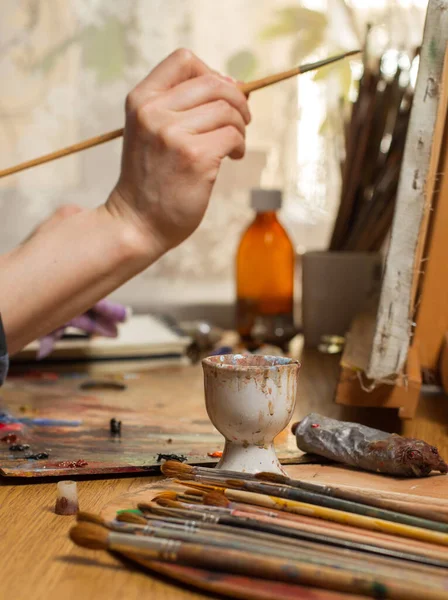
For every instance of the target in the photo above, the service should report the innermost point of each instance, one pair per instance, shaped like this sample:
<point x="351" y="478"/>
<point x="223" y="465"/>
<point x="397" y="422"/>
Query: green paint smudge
<point x="379" y="590"/>
<point x="433" y="49"/>
<point x="135" y="511"/>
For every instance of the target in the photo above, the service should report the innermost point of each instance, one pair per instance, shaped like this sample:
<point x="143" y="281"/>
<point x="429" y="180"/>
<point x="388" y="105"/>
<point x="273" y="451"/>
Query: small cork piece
<point x="67" y="498"/>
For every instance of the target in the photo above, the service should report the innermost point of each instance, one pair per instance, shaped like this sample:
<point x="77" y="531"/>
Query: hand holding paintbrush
<point x="182" y="121"/>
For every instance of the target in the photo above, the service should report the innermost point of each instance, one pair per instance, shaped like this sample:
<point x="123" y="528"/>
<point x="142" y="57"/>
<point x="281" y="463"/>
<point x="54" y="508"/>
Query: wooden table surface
<point x="38" y="560"/>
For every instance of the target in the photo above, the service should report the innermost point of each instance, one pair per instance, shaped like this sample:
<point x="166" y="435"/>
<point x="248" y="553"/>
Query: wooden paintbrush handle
<point x="291" y="571"/>
<point x="343" y="504"/>
<point x="228" y="584"/>
<point x="258" y="84"/>
<point x="339" y="516"/>
<point x="426" y="512"/>
<point x="90" y="143"/>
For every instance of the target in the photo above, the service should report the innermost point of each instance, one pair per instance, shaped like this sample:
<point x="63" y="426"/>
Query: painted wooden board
<point x="432" y="312"/>
<point x="425" y="491"/>
<point x="172" y="419"/>
<point x="394" y="316"/>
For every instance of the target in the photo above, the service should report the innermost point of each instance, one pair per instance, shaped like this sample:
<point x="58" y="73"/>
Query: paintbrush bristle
<point x="235" y="483"/>
<point x="352" y="52"/>
<point x="170" y="495"/>
<point x="271" y="477"/>
<point x="87" y="517"/>
<point x="174" y="468"/>
<point x="149" y="507"/>
<point x="129" y="517"/>
<point x="216" y="499"/>
<point x="198" y="486"/>
<point x="192" y="492"/>
<point x="167" y="502"/>
<point x="89" y="535"/>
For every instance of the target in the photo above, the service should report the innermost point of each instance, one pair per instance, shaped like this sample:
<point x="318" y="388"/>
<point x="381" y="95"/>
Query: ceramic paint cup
<point x="250" y="400"/>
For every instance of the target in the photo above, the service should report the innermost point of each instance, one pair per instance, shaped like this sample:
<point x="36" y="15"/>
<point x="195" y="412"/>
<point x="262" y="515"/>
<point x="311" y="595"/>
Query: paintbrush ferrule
<point x="160" y="545"/>
<point x="326" y="61"/>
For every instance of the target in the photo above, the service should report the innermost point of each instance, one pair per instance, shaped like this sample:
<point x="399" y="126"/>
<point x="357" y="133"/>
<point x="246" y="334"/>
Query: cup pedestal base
<point x="249" y="459"/>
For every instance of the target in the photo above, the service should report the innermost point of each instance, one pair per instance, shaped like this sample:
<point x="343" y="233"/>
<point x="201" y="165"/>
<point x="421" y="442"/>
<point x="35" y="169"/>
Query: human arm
<point x="181" y="121"/>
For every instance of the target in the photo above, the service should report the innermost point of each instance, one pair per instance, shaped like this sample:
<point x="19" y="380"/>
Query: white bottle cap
<point x="265" y="200"/>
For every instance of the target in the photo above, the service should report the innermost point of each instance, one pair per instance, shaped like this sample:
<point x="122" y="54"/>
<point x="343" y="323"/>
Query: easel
<point x="428" y="349"/>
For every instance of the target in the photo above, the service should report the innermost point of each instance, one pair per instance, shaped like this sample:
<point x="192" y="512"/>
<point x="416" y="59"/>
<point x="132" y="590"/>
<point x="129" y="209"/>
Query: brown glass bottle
<point x="265" y="276"/>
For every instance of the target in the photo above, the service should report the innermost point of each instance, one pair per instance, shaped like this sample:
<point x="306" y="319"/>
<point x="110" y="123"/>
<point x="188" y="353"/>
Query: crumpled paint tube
<point x="366" y="448"/>
<point x="102" y="320"/>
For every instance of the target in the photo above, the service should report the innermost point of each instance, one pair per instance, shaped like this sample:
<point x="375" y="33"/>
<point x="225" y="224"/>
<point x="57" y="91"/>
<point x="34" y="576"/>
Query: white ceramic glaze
<point x="250" y="399"/>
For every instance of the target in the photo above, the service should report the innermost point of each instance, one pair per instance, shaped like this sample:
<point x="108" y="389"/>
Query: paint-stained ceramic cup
<point x="250" y="399"/>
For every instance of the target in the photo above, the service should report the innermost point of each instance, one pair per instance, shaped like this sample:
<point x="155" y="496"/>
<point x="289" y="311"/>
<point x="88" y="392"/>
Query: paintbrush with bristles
<point x="300" y="494"/>
<point x="221" y="537"/>
<point x="166" y="507"/>
<point x="116" y="525"/>
<point x="272" y="545"/>
<point x="176" y="469"/>
<point x="195" y="520"/>
<point x="245" y="527"/>
<point x="162" y="519"/>
<point x="175" y="500"/>
<point x="433" y="509"/>
<point x="96" y="537"/>
<point x="420" y="552"/>
<point x="197" y="527"/>
<point x="163" y="508"/>
<point x="250" y="522"/>
<point x="153" y="511"/>
<point x="234" y="492"/>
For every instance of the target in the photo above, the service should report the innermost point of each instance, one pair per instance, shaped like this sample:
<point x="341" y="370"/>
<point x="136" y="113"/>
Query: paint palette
<point x="162" y="413"/>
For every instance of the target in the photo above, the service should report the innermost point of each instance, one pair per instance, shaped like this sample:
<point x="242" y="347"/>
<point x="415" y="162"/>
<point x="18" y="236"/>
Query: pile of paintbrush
<point x="271" y="527"/>
<point x="374" y="140"/>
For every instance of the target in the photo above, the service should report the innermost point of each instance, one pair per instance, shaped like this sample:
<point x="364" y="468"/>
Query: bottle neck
<point x="266" y="217"/>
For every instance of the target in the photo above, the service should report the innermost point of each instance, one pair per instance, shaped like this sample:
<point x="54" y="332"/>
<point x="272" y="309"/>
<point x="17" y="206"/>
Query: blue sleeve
<point x="4" y="359"/>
